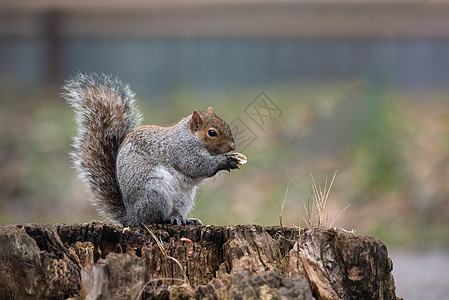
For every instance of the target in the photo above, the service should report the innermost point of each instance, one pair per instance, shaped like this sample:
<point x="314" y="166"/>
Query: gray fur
<point x="105" y="112"/>
<point x="159" y="170"/>
<point x="147" y="174"/>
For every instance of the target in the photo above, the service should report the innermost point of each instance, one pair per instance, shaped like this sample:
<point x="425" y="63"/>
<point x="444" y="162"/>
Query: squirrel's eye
<point x="212" y="133"/>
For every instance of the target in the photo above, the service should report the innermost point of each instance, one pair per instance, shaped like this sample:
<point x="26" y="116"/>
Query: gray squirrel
<point x="143" y="174"/>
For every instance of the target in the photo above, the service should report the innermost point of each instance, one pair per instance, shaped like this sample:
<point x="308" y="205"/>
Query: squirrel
<point x="143" y="174"/>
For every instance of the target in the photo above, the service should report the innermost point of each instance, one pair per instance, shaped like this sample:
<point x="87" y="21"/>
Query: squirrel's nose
<point x="232" y="146"/>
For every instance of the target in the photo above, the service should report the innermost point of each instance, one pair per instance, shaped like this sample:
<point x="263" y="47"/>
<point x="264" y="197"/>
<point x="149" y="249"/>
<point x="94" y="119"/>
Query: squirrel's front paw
<point x="231" y="162"/>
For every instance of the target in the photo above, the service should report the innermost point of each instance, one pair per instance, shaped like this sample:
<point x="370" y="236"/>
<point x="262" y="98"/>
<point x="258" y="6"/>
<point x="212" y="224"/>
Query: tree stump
<point x="105" y="261"/>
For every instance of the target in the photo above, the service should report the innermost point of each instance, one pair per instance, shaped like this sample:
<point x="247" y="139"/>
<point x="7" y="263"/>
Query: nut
<point x="241" y="159"/>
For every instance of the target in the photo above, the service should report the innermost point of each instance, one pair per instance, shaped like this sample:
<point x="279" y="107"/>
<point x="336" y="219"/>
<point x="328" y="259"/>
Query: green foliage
<point x="390" y="147"/>
<point x="379" y="151"/>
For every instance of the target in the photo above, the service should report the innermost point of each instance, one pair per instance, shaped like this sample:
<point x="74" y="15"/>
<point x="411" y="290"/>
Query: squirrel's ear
<point x="210" y="110"/>
<point x="196" y="121"/>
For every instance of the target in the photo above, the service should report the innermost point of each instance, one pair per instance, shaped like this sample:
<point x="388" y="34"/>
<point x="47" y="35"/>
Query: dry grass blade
<point x="165" y="253"/>
<point x="320" y="197"/>
<point x="309" y="217"/>
<point x="315" y="209"/>
<point x="181" y="267"/>
<point x="281" y="212"/>
<point x="158" y="241"/>
<point x="330" y="187"/>
<point x="332" y="223"/>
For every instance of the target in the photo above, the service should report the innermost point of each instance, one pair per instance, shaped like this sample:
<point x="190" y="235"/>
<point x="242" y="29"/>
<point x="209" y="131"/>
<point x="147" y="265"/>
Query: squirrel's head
<point x="213" y="131"/>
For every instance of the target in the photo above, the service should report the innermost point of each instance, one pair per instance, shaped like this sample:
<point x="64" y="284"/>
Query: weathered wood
<point x="104" y="261"/>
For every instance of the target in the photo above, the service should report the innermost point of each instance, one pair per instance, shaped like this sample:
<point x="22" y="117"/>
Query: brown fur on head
<point x="213" y="131"/>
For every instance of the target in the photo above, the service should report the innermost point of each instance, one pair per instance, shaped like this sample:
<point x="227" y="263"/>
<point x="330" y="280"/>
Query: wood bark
<point x="105" y="261"/>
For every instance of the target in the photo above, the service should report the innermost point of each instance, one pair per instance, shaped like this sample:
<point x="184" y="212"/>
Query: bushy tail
<point x="105" y="112"/>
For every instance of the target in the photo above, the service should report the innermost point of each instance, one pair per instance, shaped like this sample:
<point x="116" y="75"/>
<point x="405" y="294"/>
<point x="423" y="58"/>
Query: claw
<point x="181" y="220"/>
<point x="193" y="221"/>
<point x="178" y="220"/>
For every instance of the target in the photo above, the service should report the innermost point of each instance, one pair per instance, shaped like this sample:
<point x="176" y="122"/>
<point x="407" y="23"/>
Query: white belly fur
<point x="178" y="189"/>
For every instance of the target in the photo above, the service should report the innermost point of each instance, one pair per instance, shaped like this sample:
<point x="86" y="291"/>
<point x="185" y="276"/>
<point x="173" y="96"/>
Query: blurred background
<point x="309" y="87"/>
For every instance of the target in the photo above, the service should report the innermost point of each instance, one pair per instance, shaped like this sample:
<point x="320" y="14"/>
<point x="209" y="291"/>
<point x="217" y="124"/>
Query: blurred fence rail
<point x="247" y="18"/>
<point x="44" y="41"/>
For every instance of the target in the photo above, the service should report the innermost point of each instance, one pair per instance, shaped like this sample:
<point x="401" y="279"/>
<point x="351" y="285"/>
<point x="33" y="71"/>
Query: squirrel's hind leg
<point x="181" y="220"/>
<point x="147" y="206"/>
<point x="194" y="221"/>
